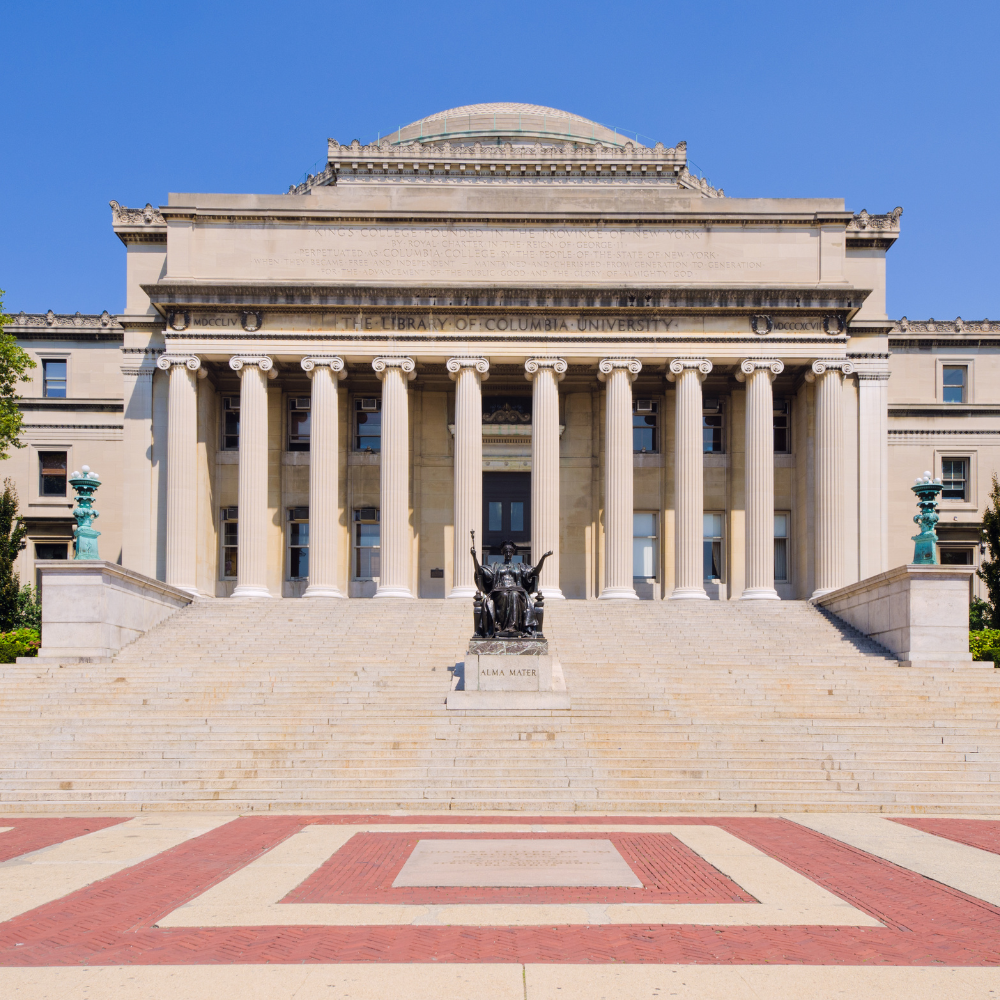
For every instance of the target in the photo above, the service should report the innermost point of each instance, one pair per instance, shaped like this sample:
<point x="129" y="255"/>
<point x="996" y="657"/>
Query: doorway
<point x="506" y="513"/>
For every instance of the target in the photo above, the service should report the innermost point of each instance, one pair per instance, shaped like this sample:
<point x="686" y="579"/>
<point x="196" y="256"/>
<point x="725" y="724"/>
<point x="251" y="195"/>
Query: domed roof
<point x="520" y="124"/>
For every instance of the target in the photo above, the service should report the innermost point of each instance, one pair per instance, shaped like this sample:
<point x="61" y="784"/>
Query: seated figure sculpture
<point x="505" y="607"/>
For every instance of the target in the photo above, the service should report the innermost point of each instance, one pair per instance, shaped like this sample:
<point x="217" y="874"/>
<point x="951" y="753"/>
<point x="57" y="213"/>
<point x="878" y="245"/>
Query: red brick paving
<point x="112" y="922"/>
<point x="981" y="833"/>
<point x="30" y="834"/>
<point x="362" y="871"/>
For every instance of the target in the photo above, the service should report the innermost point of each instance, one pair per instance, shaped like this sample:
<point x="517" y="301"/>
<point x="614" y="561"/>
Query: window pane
<point x="516" y="516"/>
<point x="299" y="563"/>
<point x="712" y="559"/>
<point x="231" y="532"/>
<point x="229" y="561"/>
<point x="949" y="557"/>
<point x="54" y="379"/>
<point x="496" y="516"/>
<point x="298" y="533"/>
<point x="231" y="430"/>
<point x="713" y="526"/>
<point x="781" y="559"/>
<point x="368" y="534"/>
<point x="780" y="525"/>
<point x="954" y="384"/>
<point x="642" y="557"/>
<point x="52" y="473"/>
<point x="369" y="436"/>
<point x="954" y="477"/>
<point x="643" y="525"/>
<point x="711" y="432"/>
<point x="643" y="433"/>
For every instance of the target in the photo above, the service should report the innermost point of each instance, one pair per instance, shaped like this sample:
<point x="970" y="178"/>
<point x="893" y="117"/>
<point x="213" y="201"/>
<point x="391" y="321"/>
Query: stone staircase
<point x="340" y="705"/>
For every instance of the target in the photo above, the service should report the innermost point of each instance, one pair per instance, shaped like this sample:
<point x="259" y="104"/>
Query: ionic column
<point x="395" y="373"/>
<point x="689" y="480"/>
<point x="829" y="532"/>
<point x="468" y="375"/>
<point x="251" y="569"/>
<point x="545" y="374"/>
<point x="618" y="374"/>
<point x="182" y="469"/>
<point x="324" y="472"/>
<point x="759" y="460"/>
<point x="137" y="368"/>
<point x="873" y="470"/>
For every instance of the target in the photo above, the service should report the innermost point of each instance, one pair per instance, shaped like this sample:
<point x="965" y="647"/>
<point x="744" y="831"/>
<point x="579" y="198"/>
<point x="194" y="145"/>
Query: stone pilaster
<point x="689" y="480"/>
<point x="618" y="374"/>
<point x="324" y="473"/>
<point x="395" y="373"/>
<point x="545" y="374"/>
<point x="251" y="570"/>
<point x="758" y="375"/>
<point x="873" y="469"/>
<point x="829" y="532"/>
<point x="137" y="369"/>
<point x="468" y="375"/>
<point x="182" y="469"/>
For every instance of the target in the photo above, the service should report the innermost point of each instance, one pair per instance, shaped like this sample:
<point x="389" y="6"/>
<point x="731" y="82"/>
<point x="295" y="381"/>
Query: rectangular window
<point x="298" y="543"/>
<point x="230" y="423"/>
<point x="366" y="544"/>
<point x="956" y="557"/>
<point x="644" y="545"/>
<point x="54" y="378"/>
<point x="52" y="473"/>
<point x="711" y="427"/>
<point x="781" y="438"/>
<point x="712" y="547"/>
<point x="228" y="522"/>
<point x="955" y="378"/>
<point x="298" y="423"/>
<point x="645" y="439"/>
<point x="955" y="478"/>
<point x="51" y="550"/>
<point x="781" y="548"/>
<point x="368" y="424"/>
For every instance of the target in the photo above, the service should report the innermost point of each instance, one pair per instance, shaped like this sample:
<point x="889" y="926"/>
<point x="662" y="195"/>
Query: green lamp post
<point x="927" y="491"/>
<point x="85" y="484"/>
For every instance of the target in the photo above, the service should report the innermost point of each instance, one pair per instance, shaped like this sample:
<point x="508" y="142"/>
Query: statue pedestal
<point x="509" y="674"/>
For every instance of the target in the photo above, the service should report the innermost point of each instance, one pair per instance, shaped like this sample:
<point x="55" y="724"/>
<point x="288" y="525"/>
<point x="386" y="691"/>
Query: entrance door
<point x="506" y="511"/>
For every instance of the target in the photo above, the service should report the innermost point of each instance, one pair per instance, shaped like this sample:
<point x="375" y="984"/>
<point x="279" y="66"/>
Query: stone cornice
<point x="873" y="231"/>
<point x="956" y="327"/>
<point x="62" y="326"/>
<point x="138" y="225"/>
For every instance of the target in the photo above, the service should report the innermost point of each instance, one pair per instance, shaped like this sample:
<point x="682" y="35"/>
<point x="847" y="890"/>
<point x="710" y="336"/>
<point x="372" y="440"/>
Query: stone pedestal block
<point x="920" y="613"/>
<point x="510" y="674"/>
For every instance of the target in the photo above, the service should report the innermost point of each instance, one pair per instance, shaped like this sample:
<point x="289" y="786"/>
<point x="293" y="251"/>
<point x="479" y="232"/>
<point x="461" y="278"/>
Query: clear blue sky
<point x="883" y="104"/>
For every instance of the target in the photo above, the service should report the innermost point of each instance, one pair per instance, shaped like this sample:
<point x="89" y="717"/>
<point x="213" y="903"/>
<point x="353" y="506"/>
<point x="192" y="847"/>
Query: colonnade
<point x="545" y="373"/>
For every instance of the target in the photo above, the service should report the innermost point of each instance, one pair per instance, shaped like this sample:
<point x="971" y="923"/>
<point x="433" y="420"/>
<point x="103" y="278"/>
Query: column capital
<point x="405" y="365"/>
<point x="821" y="367"/>
<point x="479" y="365"/>
<point x="331" y="361"/>
<point x="702" y="365"/>
<point x="261" y="361"/>
<point x="631" y="367"/>
<point x="751" y="365"/>
<point x="191" y="361"/>
<point x="532" y="366"/>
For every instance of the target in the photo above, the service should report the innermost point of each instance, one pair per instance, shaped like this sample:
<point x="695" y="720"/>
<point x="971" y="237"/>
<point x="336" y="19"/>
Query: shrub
<point x="20" y="642"/>
<point x="983" y="640"/>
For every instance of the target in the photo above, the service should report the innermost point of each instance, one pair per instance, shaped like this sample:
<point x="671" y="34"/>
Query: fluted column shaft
<point x="759" y="460"/>
<point x="829" y="532"/>
<point x="468" y="374"/>
<point x="182" y="470"/>
<point x="618" y="375"/>
<point x="251" y="570"/>
<point x="395" y="374"/>
<point x="324" y="475"/>
<point x="873" y="470"/>
<point x="545" y="374"/>
<point x="689" y="480"/>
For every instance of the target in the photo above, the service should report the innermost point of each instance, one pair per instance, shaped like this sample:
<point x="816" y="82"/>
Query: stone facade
<point x="523" y="317"/>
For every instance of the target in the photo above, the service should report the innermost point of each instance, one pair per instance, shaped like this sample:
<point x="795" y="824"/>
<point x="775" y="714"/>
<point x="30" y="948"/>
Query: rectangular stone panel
<point x="503" y="863"/>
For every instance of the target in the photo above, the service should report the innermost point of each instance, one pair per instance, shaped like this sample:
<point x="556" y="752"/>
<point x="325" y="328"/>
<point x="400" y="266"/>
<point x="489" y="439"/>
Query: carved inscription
<point x="521" y="255"/>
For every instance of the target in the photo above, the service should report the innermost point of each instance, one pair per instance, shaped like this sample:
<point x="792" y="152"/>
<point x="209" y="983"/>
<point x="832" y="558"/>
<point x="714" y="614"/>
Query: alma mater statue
<point x="505" y="607"/>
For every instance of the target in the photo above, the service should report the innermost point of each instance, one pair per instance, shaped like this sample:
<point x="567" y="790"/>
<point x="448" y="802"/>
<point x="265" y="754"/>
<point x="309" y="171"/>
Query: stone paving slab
<point x="305" y="906"/>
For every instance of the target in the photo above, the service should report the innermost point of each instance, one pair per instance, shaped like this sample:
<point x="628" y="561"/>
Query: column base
<point x="248" y="590"/>
<point x="822" y="592"/>
<point x="403" y="592"/>
<point x="760" y="594"/>
<point x="552" y="594"/>
<point x="618" y="594"/>
<point x="689" y="594"/>
<point x="462" y="593"/>
<point x="323" y="590"/>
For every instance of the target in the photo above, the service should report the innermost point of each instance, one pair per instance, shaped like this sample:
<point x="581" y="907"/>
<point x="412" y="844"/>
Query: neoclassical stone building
<point x="510" y="320"/>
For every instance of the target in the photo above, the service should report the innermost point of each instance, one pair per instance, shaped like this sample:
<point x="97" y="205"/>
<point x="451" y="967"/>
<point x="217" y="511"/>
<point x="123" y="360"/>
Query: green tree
<point x="989" y="569"/>
<point x="12" y="532"/>
<point x="14" y="365"/>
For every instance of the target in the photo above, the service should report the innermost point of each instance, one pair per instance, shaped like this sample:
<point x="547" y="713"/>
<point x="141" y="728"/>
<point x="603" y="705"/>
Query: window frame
<point x="299" y="445"/>
<point x="971" y="457"/>
<point x="57" y="359"/>
<point x="223" y="410"/>
<point x="963" y="462"/>
<point x="295" y="516"/>
<point x="654" y="427"/>
<point x="787" y="539"/>
<point x="940" y="364"/>
<point x="226" y="516"/>
<point x="654" y="538"/>
<point x="64" y="496"/>
<point x="355" y="426"/>
<point x="715" y="539"/>
<point x="720" y="412"/>
<point x="787" y="416"/>
<point x="356" y="522"/>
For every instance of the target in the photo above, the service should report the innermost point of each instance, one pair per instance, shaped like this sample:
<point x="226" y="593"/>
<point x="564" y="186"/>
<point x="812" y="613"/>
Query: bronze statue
<point x="504" y="605"/>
